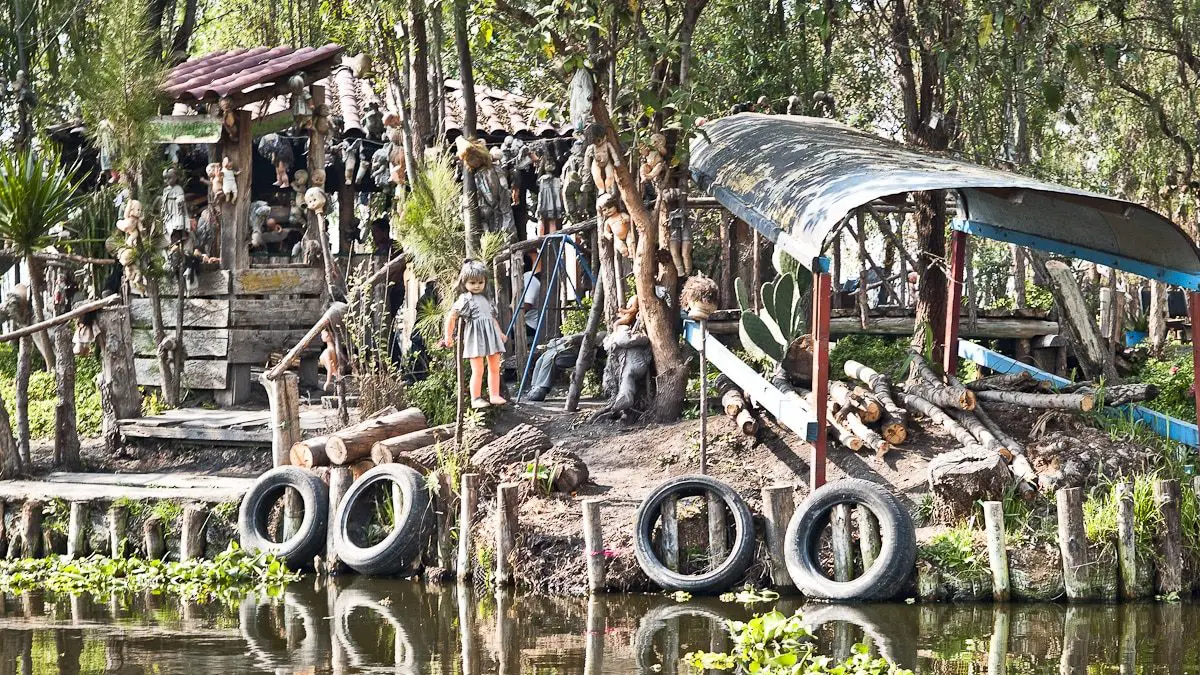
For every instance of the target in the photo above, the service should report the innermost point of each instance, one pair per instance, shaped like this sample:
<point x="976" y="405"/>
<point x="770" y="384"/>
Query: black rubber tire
<point x="897" y="557"/>
<point x="713" y="581"/>
<point x="309" y="541"/>
<point x="394" y="554"/>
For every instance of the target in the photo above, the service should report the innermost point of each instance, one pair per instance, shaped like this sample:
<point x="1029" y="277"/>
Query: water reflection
<point x="361" y="625"/>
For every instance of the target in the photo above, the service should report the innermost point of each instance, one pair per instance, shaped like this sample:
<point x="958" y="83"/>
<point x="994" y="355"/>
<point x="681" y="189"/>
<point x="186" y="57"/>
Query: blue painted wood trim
<point x="1163" y="425"/>
<point x="789" y="410"/>
<point x="1143" y="269"/>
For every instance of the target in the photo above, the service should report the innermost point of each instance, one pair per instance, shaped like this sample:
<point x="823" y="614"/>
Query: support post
<point x="468" y="504"/>
<point x="778" y="507"/>
<point x="993" y="518"/>
<point x="669" y="534"/>
<point x="191" y="541"/>
<point x="1072" y="542"/>
<point x="339" y="483"/>
<point x="31" y="529"/>
<point x="152" y="539"/>
<point x="445" y="522"/>
<point x="958" y="258"/>
<point x="704" y="407"/>
<point x="116" y="519"/>
<point x="870" y="543"/>
<point x="77" y="530"/>
<point x="843" y="551"/>
<point x="1194" y="312"/>
<point x="1170" y="568"/>
<point x="283" y="395"/>
<point x="718" y="525"/>
<point x="593" y="545"/>
<point x="506" y="531"/>
<point x="822" y="287"/>
<point x="1126" y="541"/>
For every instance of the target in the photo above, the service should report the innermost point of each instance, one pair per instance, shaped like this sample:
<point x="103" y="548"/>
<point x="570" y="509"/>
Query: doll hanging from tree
<point x="481" y="335"/>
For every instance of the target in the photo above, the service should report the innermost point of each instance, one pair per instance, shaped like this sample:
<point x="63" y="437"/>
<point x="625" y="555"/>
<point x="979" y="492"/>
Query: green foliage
<point x="1172" y="374"/>
<point x="955" y="552"/>
<point x="43" y="399"/>
<point x="575" y="321"/>
<point x="226" y="577"/>
<point x="168" y="511"/>
<point x="1100" y="515"/>
<point x="777" y="644"/>
<point x="226" y="512"/>
<point x="435" y="395"/>
<point x="152" y="402"/>
<point x="887" y="355"/>
<point x="36" y="193"/>
<point x="779" y="322"/>
<point x="56" y="515"/>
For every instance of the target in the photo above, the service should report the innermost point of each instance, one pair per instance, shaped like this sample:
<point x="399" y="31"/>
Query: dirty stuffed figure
<point x="481" y="335"/>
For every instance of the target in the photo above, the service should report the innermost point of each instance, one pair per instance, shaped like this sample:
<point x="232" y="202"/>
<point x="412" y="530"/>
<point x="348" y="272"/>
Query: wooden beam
<point x="51" y="323"/>
<point x="958" y="258"/>
<point x="235" y="217"/>
<point x="332" y="315"/>
<point x="197" y="312"/>
<point x="197" y="374"/>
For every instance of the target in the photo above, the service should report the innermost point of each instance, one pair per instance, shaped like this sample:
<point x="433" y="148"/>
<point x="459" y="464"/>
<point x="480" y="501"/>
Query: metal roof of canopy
<point x="796" y="178"/>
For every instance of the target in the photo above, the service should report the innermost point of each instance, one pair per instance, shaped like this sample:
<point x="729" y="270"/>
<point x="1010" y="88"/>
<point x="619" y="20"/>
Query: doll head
<point x="227" y="163"/>
<point x="473" y="277"/>
<point x="170" y="177"/>
<point x="314" y="199"/>
<point x="213" y="170"/>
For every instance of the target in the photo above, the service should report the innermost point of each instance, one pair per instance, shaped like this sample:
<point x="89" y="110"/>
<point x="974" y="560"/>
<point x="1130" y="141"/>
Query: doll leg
<point x="476" y="381"/>
<point x="493" y="362"/>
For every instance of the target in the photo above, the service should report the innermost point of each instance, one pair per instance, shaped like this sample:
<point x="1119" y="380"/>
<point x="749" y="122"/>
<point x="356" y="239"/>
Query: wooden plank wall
<point x="233" y="319"/>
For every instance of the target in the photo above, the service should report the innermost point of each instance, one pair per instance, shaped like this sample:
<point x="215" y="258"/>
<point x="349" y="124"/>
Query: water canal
<point x="409" y="627"/>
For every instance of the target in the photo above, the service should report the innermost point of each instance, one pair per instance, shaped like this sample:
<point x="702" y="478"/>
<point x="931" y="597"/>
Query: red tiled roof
<point x="348" y="96"/>
<point x="209" y="77"/>
<point x="499" y="112"/>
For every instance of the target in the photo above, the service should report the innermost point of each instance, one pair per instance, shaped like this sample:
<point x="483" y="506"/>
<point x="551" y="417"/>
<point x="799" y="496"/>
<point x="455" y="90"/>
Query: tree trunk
<point x="932" y="281"/>
<point x="1018" y="257"/>
<point x="1157" y="316"/>
<point x="66" y="428"/>
<point x="11" y="465"/>
<point x="37" y="297"/>
<point x="183" y="34"/>
<point x="438" y="76"/>
<point x="658" y="317"/>
<point x="467" y="77"/>
<point x="169" y="387"/>
<point x="418" y="76"/>
<point x="389" y="449"/>
<point x="1080" y="402"/>
<point x="119" y="395"/>
<point x="24" y="365"/>
<point x="1075" y="316"/>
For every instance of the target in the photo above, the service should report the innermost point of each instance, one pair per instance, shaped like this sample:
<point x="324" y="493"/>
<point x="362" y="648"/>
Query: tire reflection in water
<point x="284" y="633"/>
<point x="363" y="612"/>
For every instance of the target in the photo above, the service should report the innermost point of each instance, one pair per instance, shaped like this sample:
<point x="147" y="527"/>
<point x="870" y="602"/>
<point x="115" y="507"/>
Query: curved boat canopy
<point x="795" y="179"/>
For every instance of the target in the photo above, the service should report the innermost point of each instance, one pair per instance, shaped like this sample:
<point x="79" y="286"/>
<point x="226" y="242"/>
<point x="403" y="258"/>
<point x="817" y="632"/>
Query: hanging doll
<point x="228" y="118"/>
<point x="174" y="203"/>
<point x="654" y="164"/>
<point x="578" y="190"/>
<point x="299" y="186"/>
<point x="229" y="180"/>
<point x="616" y="225"/>
<point x="329" y="359"/>
<point x="131" y="227"/>
<point x="604" y="160"/>
<point x="213" y="173"/>
<point x="277" y="149"/>
<point x="106" y="137"/>
<point x="301" y="101"/>
<point x="480" y="332"/>
<point x="550" y="206"/>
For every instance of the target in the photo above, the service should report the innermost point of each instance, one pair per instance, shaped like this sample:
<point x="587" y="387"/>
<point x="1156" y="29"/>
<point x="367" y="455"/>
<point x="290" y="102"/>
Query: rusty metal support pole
<point x="822" y="290"/>
<point x="958" y="259"/>
<point x="703" y="397"/>
<point x="1194" y="312"/>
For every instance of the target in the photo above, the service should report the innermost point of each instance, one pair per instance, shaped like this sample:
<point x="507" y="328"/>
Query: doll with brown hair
<point x="481" y="335"/>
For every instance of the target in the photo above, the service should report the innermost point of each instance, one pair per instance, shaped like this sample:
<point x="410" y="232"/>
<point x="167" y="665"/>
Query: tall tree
<point x="419" y="74"/>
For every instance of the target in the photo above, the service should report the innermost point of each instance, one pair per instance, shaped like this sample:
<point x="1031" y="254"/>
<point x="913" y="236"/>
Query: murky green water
<point x="406" y="627"/>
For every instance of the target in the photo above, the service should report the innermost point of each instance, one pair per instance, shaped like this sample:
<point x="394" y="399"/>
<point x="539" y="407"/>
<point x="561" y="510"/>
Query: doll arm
<point x="451" y="323"/>
<point x="500" y="331"/>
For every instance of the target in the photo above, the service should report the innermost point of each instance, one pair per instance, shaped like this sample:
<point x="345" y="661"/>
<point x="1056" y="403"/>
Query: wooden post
<point x="1194" y="313"/>
<point x="152" y="539"/>
<point x="704" y="412"/>
<point x="116" y="518"/>
<point x="468" y="505"/>
<point x="283" y="394"/>
<point x="587" y="346"/>
<point x="117" y="383"/>
<point x="1076" y="638"/>
<point x="339" y="482"/>
<point x="778" y="507"/>
<point x="191" y="540"/>
<point x="517" y="277"/>
<point x="718" y="526"/>
<point x="998" y="647"/>
<point x="235" y="217"/>
<point x="669" y="541"/>
<point x="31" y="529"/>
<point x="843" y="551"/>
<point x="820" y="333"/>
<point x="1170" y="541"/>
<point x="445" y="521"/>
<point x="1126" y="541"/>
<point x="1072" y="542"/>
<point x="77" y="530"/>
<point x="958" y="257"/>
<point x="861" y="297"/>
<point x="593" y="649"/>
<point x="507" y="648"/>
<point x="593" y="545"/>
<point x="993" y="518"/>
<point x="506" y="531"/>
<point x="869" y="541"/>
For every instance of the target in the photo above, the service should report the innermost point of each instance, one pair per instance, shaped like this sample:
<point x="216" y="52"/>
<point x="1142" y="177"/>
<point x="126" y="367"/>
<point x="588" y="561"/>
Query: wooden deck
<point x="226" y="427"/>
<point x="109" y="486"/>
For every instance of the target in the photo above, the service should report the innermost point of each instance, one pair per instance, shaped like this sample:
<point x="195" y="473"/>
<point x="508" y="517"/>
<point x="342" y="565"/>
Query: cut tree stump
<point x="387" y="450"/>
<point x="355" y="442"/>
<point x="310" y="453"/>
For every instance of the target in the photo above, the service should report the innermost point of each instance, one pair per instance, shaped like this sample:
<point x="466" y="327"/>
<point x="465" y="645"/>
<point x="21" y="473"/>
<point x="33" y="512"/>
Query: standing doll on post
<point x="481" y="335"/>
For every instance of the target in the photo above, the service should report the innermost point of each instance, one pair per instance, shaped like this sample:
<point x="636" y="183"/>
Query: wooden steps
<point x="224" y="427"/>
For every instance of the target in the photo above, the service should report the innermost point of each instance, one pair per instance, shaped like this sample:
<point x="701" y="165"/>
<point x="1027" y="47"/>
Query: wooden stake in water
<point x="703" y="397"/>
<point x="593" y="540"/>
<point x="993" y="518"/>
<point x="1126" y="542"/>
<point x="468" y="504"/>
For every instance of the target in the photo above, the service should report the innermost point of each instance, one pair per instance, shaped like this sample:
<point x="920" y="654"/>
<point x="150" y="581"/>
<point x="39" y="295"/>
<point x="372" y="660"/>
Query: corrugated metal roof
<point x="241" y="71"/>
<point x="500" y="113"/>
<point x="796" y="178"/>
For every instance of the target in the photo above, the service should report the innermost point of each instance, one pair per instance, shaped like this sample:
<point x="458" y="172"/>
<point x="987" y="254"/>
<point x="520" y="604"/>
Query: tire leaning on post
<point x="309" y="539"/>
<point x="897" y="557"/>
<point x="715" y="580"/>
<point x="401" y="546"/>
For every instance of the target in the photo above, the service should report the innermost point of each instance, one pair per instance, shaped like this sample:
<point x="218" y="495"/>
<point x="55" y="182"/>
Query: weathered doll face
<point x="475" y="286"/>
<point x="314" y="198"/>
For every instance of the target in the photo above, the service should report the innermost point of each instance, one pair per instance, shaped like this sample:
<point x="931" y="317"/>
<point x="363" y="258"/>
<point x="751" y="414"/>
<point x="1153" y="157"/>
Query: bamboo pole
<point x="1072" y="542"/>
<point x="61" y="318"/>
<point x="993" y="517"/>
<point x="593" y="544"/>
<point x="778" y="507"/>
<point x="468" y="505"/>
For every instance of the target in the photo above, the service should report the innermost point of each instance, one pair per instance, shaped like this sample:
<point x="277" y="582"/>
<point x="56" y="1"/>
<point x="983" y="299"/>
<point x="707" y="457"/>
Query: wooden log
<point x="1017" y="381"/>
<point x="718" y="526"/>
<point x="1170" y="538"/>
<point x="283" y="395"/>
<point x="993" y="519"/>
<point x="310" y="453"/>
<point x="669" y="533"/>
<point x="468" y="505"/>
<point x="360" y="466"/>
<point x="1002" y="436"/>
<point x="521" y="444"/>
<point x="870" y="542"/>
<point x="870" y="439"/>
<point x="1080" y="402"/>
<point x="355" y="442"/>
<point x="971" y="422"/>
<point x="447" y="505"/>
<point x="387" y="450"/>
<point x="191" y="539"/>
<point x="1121" y="394"/>
<point x="942" y="395"/>
<point x="77" y="530"/>
<point x="117" y="382"/>
<point x="778" y="507"/>
<point x="841" y="539"/>
<point x="340" y="480"/>
<point x="843" y="436"/>
<point x="153" y="543"/>
<point x="332" y="316"/>
<point x="1076" y="319"/>
<point x="1126" y="541"/>
<point x="116" y="519"/>
<point x="593" y="545"/>
<point x="79" y="311"/>
<point x="895" y="418"/>
<point x="939" y="417"/>
<point x="506" y="531"/>
<point x="31" y="529"/>
<point x="747" y="423"/>
<point x="733" y="402"/>
<point x="1072" y="543"/>
<point x="869" y="408"/>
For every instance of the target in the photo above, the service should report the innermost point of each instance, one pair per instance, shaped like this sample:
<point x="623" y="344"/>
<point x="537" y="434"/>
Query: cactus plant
<point x="771" y="331"/>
